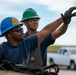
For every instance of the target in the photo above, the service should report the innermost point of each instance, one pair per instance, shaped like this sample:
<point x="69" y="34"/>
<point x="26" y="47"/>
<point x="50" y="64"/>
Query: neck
<point x="32" y="32"/>
<point x="13" y="42"/>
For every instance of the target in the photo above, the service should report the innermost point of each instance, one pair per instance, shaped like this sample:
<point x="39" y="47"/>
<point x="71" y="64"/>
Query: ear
<point x="25" y="23"/>
<point x="9" y="35"/>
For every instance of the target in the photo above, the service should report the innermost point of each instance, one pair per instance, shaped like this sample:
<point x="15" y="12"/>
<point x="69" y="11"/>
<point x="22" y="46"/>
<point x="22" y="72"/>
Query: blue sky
<point x="48" y="10"/>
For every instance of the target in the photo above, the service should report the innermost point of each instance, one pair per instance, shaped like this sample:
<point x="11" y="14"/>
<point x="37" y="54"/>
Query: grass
<point x="54" y="48"/>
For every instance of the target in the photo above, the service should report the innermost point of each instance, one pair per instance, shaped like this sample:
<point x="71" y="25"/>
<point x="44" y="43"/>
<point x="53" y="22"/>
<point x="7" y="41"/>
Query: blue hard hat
<point x="7" y="24"/>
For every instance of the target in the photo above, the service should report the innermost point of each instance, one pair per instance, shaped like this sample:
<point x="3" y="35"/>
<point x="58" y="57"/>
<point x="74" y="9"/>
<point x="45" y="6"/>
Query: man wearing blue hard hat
<point x="19" y="48"/>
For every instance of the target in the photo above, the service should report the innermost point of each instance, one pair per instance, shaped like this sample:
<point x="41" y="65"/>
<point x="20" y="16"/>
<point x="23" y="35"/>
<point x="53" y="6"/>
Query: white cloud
<point x="57" y="5"/>
<point x="9" y="2"/>
<point x="53" y="5"/>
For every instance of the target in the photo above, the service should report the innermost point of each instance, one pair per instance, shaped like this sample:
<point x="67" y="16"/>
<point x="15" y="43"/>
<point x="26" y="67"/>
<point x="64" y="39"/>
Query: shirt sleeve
<point x="48" y="40"/>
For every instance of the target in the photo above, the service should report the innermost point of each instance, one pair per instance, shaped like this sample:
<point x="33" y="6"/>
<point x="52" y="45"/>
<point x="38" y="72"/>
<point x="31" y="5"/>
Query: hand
<point x="68" y="14"/>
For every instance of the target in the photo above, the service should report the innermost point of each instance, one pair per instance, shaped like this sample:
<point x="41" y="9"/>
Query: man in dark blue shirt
<point x="30" y="18"/>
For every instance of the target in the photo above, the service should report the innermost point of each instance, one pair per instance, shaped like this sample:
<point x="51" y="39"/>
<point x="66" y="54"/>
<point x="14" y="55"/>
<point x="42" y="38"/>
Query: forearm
<point x="63" y="29"/>
<point x="49" y="29"/>
<point x="60" y="31"/>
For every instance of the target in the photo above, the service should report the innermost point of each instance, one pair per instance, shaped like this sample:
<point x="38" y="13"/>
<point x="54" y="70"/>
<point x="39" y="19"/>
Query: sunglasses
<point x="17" y="30"/>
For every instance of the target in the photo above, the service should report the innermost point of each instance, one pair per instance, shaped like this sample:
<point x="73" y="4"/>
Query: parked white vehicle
<point x="66" y="56"/>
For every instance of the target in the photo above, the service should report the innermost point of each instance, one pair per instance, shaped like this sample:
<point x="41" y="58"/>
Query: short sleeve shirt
<point x="15" y="52"/>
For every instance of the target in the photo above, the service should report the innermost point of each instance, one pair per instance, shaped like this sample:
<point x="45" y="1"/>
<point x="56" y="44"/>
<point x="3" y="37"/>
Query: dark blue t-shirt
<point x="47" y="41"/>
<point x="15" y="52"/>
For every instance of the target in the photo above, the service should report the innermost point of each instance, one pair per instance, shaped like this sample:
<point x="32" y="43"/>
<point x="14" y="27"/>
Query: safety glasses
<point x="33" y="20"/>
<point x="17" y="30"/>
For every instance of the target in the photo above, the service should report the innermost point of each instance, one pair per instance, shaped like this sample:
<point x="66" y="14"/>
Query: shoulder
<point x="32" y="37"/>
<point x="4" y="44"/>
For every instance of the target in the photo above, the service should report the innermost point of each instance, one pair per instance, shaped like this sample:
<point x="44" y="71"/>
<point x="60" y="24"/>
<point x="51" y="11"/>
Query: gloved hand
<point x="68" y="14"/>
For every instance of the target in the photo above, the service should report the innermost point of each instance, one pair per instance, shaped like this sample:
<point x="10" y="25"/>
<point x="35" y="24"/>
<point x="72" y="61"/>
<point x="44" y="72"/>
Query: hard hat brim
<point x="4" y="32"/>
<point x="30" y="18"/>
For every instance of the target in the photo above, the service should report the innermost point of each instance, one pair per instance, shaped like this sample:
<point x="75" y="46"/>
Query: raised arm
<point x="49" y="29"/>
<point x="60" y="31"/>
<point x="66" y="18"/>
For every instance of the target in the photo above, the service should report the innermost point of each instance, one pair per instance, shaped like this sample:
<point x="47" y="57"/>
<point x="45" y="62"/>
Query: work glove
<point x="68" y="14"/>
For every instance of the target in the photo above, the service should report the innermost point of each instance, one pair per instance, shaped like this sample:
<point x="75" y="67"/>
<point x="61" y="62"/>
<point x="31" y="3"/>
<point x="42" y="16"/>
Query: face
<point x="17" y="33"/>
<point x="32" y="24"/>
